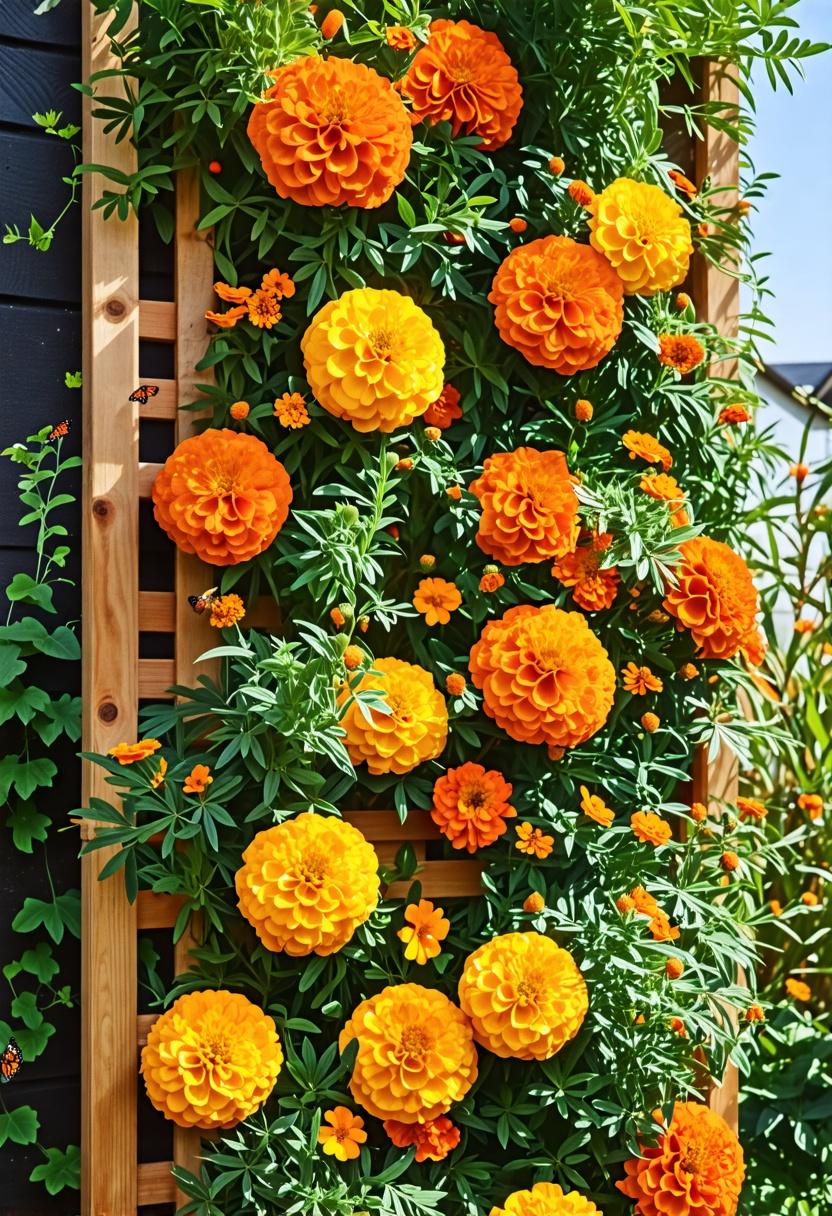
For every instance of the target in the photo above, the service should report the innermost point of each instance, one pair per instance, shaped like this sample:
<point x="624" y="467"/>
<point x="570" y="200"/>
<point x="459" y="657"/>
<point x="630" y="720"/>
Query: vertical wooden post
<point x="110" y="642"/>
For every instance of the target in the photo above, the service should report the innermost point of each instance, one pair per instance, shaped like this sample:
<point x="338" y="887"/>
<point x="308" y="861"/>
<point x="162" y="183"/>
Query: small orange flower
<point x="129" y="753"/>
<point x="682" y="352"/>
<point x="799" y="472"/>
<point x="674" y="968"/>
<point x="226" y="610"/>
<point x="231" y="295"/>
<point x="263" y="309"/>
<point x="715" y="598"/>
<point x="662" y="487"/>
<point x="227" y="319"/>
<point x="454" y="493"/>
<point x="755" y="1013"/>
<point x="427" y="929"/>
<point x="239" y="410"/>
<point x="804" y="625"/>
<point x="427" y="562"/>
<point x="798" y="990"/>
<point x="678" y="1027"/>
<point x="557" y="165"/>
<point x="404" y="465"/>
<point x="683" y="301"/>
<point x="399" y="37"/>
<point x="698" y="812"/>
<point x="332" y="23"/>
<point x="583" y="410"/>
<point x="625" y="904"/>
<point x="682" y="183"/>
<point x="595" y="808"/>
<point x="639" y="443"/>
<point x="532" y="841"/>
<point x="650" y="828"/>
<point x="750" y="808"/>
<point x="491" y="581"/>
<point x="337" y="617"/>
<point x="433" y="1139"/>
<point x="455" y="684"/>
<point x="436" y="599"/>
<point x="198" y="779"/>
<point x="650" y="722"/>
<point x="733" y="414"/>
<point x="688" y="671"/>
<point x="353" y="657"/>
<point x="775" y="907"/>
<point x="159" y="776"/>
<point x="593" y="588"/>
<point x="534" y="903"/>
<point x="444" y="410"/>
<point x="518" y="224"/>
<point x="433" y="434"/>
<point x="343" y="1138"/>
<point x="729" y="861"/>
<point x="640" y="680"/>
<point x="581" y="193"/>
<point x="278" y="283"/>
<point x="809" y="899"/>
<point x="471" y="805"/>
<point x="813" y="803"/>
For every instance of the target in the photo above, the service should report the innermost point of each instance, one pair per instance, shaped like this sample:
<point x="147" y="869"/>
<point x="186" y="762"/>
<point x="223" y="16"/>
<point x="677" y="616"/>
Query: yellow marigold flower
<point x="534" y="903"/>
<point x="433" y="1140"/>
<point x="643" y="234"/>
<point x="529" y="507"/>
<point x="813" y="803"/>
<point x="374" y="358"/>
<point x="639" y="443"/>
<point x="129" y="753"/>
<point x="732" y="414"/>
<point x="798" y="990"/>
<point x="533" y="842"/>
<point x="595" y="808"/>
<point x="455" y="684"/>
<point x="198" y="779"/>
<point x="470" y="806"/>
<point x="226" y="610"/>
<point x="264" y="309"/>
<point x="730" y="861"/>
<point x="682" y="352"/>
<point x="650" y="828"/>
<point x="582" y="194"/>
<point x="307" y="884"/>
<point x="650" y="722"/>
<point x="290" y="411"/>
<point x="211" y="1060"/>
<point x="399" y="37"/>
<point x="584" y="410"/>
<point x="640" y="680"/>
<point x="755" y="1013"/>
<point x="546" y="1199"/>
<point x="751" y="808"/>
<point x="159" y="776"/>
<point x="343" y="1138"/>
<point x="414" y="731"/>
<point x="427" y="928"/>
<point x="809" y="899"/>
<point x="556" y="165"/>
<point x="353" y="657"/>
<point x="239" y="410"/>
<point x="674" y="968"/>
<point x="436" y="599"/>
<point x="698" y="812"/>
<point x="525" y="996"/>
<point x="416" y="1054"/>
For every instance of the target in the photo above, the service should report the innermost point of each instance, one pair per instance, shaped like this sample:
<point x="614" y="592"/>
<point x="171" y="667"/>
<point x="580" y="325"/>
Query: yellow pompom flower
<point x="211" y="1060"/>
<point x="643" y="234"/>
<point x="416" y="728"/>
<point x="524" y="994"/>
<point x="374" y="358"/>
<point x="546" y="1199"/>
<point x="416" y="1054"/>
<point x="307" y="884"/>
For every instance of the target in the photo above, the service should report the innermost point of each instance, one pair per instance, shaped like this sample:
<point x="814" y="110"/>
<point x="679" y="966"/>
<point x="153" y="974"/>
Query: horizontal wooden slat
<point x="143" y="1023"/>
<point x="443" y="880"/>
<point x="162" y="407"/>
<point x="155" y="678"/>
<point x="156" y="1183"/>
<point x="157" y="911"/>
<point x="147" y="476"/>
<point x="157" y="320"/>
<point x="381" y="826"/>
<point x="157" y="612"/>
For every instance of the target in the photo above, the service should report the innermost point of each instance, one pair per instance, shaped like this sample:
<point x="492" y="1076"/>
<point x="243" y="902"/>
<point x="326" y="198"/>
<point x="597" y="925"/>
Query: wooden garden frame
<point x="115" y="611"/>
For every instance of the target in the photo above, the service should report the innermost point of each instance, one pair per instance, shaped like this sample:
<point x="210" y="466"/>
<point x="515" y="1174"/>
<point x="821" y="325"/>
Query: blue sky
<point x="794" y="222"/>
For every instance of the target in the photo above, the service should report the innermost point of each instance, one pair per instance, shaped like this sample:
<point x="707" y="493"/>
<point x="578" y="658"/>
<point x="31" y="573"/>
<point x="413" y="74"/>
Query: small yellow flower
<point x="427" y="928"/>
<point x="344" y="1135"/>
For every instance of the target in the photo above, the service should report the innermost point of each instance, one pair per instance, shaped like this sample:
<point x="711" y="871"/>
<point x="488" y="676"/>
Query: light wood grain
<point x="155" y="1185"/>
<point x="155" y="678"/>
<point x="145" y="477"/>
<point x="443" y="880"/>
<point x="143" y="1023"/>
<point x="110" y="651"/>
<point x="155" y="911"/>
<point x="162" y="407"/>
<point x="157" y="320"/>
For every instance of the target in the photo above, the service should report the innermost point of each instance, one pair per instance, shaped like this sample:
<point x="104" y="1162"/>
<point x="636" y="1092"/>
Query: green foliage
<point x="38" y="236"/>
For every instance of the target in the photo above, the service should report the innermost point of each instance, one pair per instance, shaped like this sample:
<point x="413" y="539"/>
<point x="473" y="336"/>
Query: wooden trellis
<point x="116" y="611"/>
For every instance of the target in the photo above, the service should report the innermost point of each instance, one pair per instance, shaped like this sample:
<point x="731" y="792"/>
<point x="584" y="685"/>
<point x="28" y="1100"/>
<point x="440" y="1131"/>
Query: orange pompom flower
<point x="433" y="1140"/>
<point x="425" y="931"/>
<point x="471" y="805"/>
<point x="650" y="828"/>
<point x="223" y="496"/>
<point x="730" y="861"/>
<point x="198" y="780"/>
<point x="414" y="731"/>
<point x="464" y="76"/>
<point x="696" y="1169"/>
<point x="436" y="599"/>
<point x="330" y="26"/>
<point x="331" y="132"/>
<point x="239" y="410"/>
<point x="399" y="37"/>
<point x="129" y="753"/>
<point x="732" y="414"/>
<point x="650" y="722"/>
<point x="533" y="842"/>
<point x="544" y="675"/>
<point x="682" y="352"/>
<point x="813" y="803"/>
<point x="492" y="580"/>
<point x="595" y="808"/>
<point x="639" y="443"/>
<point x="226" y="611"/>
<point x="640" y="680"/>
<point x="343" y="1138"/>
<point x="444" y="410"/>
<point x="557" y="165"/>
<point x="581" y="193"/>
<point x="290" y="411"/>
<point x="558" y="303"/>
<point x="715" y="598"/>
<point x="534" y="903"/>
<point x="353" y="657"/>
<point x="529" y="506"/>
<point x="798" y="990"/>
<point x="643" y="234"/>
<point x="546" y="1199"/>
<point x="583" y="410"/>
<point x="593" y="588"/>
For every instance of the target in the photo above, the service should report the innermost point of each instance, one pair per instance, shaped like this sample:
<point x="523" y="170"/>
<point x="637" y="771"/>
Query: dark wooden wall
<point x="40" y="339"/>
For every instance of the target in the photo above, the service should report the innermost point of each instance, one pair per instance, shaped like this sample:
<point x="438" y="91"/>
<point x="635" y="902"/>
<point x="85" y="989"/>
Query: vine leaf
<point x="60" y="1170"/>
<point x="24" y="776"/>
<point x="20" y="1126"/>
<point x="27" y="825"/>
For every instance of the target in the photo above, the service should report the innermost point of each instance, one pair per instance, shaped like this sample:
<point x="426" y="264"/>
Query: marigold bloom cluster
<point x="223" y="496"/>
<point x="525" y="996"/>
<point x="682" y="352"/>
<point x="374" y="359"/>
<point x="307" y="884"/>
<point x="416" y="728"/>
<point x="471" y="806"/>
<point x="433" y="1140"/>
<point x="211" y="1060"/>
<point x="226" y="610"/>
<point x="643" y="903"/>
<point x="714" y="597"/>
<point x="260" y="306"/>
<point x="593" y="587"/>
<point x="546" y="1199"/>
<point x="331" y="132"/>
<point x="529" y="507"/>
<point x="643" y="234"/>
<point x="436" y="599"/>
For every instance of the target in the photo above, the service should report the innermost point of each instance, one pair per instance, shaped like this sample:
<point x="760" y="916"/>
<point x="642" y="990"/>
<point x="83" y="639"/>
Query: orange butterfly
<point x="143" y="393"/>
<point x="10" y="1062"/>
<point x="60" y="430"/>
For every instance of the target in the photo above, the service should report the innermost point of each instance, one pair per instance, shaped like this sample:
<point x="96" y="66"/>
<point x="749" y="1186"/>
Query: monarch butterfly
<point x="60" y="430"/>
<point x="143" y="393"/>
<point x="199" y="603"/>
<point x="10" y="1062"/>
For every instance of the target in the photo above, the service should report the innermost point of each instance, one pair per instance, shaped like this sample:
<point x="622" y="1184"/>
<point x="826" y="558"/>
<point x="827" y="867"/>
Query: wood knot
<point x="107" y="711"/>
<point x="101" y="508"/>
<point x="115" y="308"/>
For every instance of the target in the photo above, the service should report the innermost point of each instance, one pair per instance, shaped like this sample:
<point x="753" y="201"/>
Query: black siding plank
<point x="61" y="27"/>
<point x="33" y="81"/>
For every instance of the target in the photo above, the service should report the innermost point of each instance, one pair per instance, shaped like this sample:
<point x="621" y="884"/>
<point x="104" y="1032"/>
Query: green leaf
<point x="19" y="1126"/>
<point x="25" y="1007"/>
<point x="24" y="590"/>
<point x="27" y="824"/>
<point x="10" y="664"/>
<point x="73" y="379"/>
<point x="62" y="716"/>
<point x="63" y="914"/>
<point x="61" y="1169"/>
<point x="37" y="961"/>
<point x="18" y="701"/>
<point x="24" y="777"/>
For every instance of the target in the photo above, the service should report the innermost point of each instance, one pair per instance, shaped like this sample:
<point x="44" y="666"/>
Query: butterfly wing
<point x="143" y="393"/>
<point x="10" y="1062"/>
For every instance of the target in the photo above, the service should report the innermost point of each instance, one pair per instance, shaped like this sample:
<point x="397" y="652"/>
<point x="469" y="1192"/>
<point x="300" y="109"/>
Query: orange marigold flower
<point x="331" y="132"/>
<point x="226" y="610"/>
<point x="518" y="224"/>
<point x="534" y="903"/>
<point x="433" y="434"/>
<point x="373" y="358"/>
<point x="239" y="410"/>
<point x="732" y="414"/>
<point x="755" y="1013"/>
<point x="640" y="680"/>
<point x="464" y="76"/>
<point x="643" y="234"/>
<point x="533" y="842"/>
<point x="211" y="1060"/>
<point x="414" y="731"/>
<point x="445" y="409"/>
<point x="558" y="303"/>
<point x="799" y="472"/>
<point x="688" y="671"/>
<point x="698" y="1161"/>
<point x="159" y="776"/>
<point x="644" y="902"/>
<point x="529" y="506"/>
<point x="650" y="828"/>
<point x="583" y="410"/>
<point x="581" y="193"/>
<point x="683" y="301"/>
<point x="278" y="283"/>
<point x="471" y="805"/>
<point x="729" y="861"/>
<point x="662" y="487"/>
<point x="661" y="928"/>
<point x="455" y="684"/>
<point x="674" y="968"/>
<point x="198" y="779"/>
<point x="129" y="753"/>
<point x="751" y="808"/>
<point x="305" y="885"/>
<point x="223" y="496"/>
<point x="593" y="588"/>
<point x="546" y="1199"/>
<point x="330" y="26"/>
<point x="813" y="803"/>
<point x="650" y="722"/>
<point x="678" y="1027"/>
<point x="639" y="443"/>
<point x="804" y="625"/>
<point x="557" y="165"/>
<point x="399" y="37"/>
<point x="491" y="581"/>
<point x="544" y="675"/>
<point x="682" y="352"/>
<point x="337" y="617"/>
<point x="427" y="928"/>
<point x="809" y="899"/>
<point x="798" y="990"/>
<point x="290" y="411"/>
<point x="595" y="808"/>
<point x="625" y="904"/>
<point x="263" y="309"/>
<point x="714" y="597"/>
<point x="698" y="812"/>
<point x="343" y="1138"/>
<point x="232" y="295"/>
<point x="433" y="1140"/>
<point x="416" y="1054"/>
<point x="436" y="599"/>
<point x="525" y="996"/>
<point x="353" y="657"/>
<point x="427" y="562"/>
<point x="227" y="319"/>
<point x="404" y="465"/>
<point x="454" y="493"/>
<point x="682" y="183"/>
